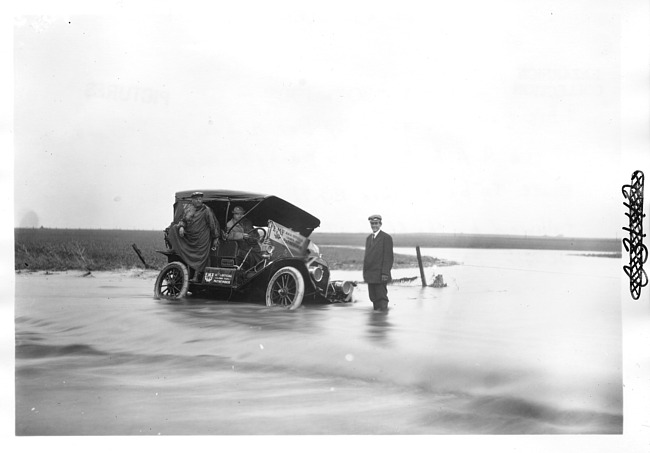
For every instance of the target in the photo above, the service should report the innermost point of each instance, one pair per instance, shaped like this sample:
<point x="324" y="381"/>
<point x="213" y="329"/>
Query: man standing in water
<point x="377" y="263"/>
<point x="194" y="230"/>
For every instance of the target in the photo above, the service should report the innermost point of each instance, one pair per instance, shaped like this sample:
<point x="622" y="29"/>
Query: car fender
<point x="171" y="255"/>
<point x="293" y="262"/>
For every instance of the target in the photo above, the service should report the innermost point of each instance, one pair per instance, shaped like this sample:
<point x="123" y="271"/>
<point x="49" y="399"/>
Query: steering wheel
<point x="259" y="232"/>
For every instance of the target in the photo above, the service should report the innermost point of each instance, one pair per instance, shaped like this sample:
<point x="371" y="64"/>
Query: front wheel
<point x="172" y="282"/>
<point x="286" y="288"/>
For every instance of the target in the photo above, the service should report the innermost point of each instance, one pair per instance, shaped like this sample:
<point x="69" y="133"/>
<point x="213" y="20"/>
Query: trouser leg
<point x="378" y="293"/>
<point x="372" y="295"/>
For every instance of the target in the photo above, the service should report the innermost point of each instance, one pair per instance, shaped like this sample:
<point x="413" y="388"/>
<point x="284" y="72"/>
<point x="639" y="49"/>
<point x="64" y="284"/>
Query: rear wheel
<point x="172" y="282"/>
<point x="286" y="288"/>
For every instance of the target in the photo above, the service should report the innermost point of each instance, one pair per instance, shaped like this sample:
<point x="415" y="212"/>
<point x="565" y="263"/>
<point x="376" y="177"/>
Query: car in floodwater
<point x="288" y="269"/>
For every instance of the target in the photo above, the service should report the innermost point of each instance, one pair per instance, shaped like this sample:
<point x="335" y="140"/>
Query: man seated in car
<point x="240" y="229"/>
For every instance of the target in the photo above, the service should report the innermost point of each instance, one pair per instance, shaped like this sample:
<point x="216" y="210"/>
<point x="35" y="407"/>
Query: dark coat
<point x="378" y="258"/>
<point x="201" y="228"/>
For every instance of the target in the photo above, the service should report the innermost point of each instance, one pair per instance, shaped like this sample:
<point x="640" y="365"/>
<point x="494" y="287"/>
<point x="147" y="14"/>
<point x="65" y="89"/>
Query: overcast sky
<point x="466" y="117"/>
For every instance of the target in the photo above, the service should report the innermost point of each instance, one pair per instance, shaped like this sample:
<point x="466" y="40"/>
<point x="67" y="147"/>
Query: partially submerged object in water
<point x="438" y="281"/>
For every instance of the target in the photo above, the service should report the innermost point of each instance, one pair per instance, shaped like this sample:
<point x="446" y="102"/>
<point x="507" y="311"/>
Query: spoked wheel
<point x="286" y="288"/>
<point x="172" y="282"/>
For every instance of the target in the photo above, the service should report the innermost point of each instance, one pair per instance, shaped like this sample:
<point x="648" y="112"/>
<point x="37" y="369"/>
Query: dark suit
<point x="378" y="261"/>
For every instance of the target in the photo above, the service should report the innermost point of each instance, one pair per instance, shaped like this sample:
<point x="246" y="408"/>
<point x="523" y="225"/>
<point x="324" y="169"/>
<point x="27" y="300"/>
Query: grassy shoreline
<point x="52" y="249"/>
<point x="479" y="241"/>
<point x="103" y="250"/>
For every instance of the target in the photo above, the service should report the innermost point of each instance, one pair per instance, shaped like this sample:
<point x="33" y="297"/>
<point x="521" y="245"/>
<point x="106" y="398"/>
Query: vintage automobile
<point x="287" y="271"/>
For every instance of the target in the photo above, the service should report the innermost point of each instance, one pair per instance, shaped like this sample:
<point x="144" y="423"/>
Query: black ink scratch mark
<point x="634" y="244"/>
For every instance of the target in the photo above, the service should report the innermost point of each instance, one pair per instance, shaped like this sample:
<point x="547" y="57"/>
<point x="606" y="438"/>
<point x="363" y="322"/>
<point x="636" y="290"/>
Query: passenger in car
<point x="240" y="229"/>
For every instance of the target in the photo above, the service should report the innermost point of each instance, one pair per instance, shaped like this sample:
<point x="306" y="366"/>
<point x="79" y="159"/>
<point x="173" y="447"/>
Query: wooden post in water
<point x="422" y="277"/>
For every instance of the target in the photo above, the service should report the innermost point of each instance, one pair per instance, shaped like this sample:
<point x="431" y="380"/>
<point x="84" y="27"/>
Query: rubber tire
<point x="291" y="277"/>
<point x="180" y="288"/>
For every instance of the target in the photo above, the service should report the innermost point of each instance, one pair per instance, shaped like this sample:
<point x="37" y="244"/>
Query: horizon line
<point x="520" y="235"/>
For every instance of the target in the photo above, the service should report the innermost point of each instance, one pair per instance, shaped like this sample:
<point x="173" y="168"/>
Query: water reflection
<point x="203" y="313"/>
<point x="379" y="327"/>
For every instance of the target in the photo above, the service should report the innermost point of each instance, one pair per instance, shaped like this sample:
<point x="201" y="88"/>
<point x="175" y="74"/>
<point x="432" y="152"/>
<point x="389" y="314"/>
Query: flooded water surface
<point x="518" y="342"/>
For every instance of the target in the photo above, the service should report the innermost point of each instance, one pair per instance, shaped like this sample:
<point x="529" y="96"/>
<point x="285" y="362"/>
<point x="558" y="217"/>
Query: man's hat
<point x="197" y="194"/>
<point x="376" y="217"/>
<point x="238" y="209"/>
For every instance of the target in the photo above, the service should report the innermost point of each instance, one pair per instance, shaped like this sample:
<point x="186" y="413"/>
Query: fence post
<point x="137" y="250"/>
<point x="422" y="277"/>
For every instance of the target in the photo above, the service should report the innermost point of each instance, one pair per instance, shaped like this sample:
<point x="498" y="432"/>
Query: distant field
<point x="66" y="249"/>
<point x="63" y="249"/>
<point x="483" y="241"/>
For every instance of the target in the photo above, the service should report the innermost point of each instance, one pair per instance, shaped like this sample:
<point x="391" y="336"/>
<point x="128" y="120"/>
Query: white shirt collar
<point x="374" y="235"/>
